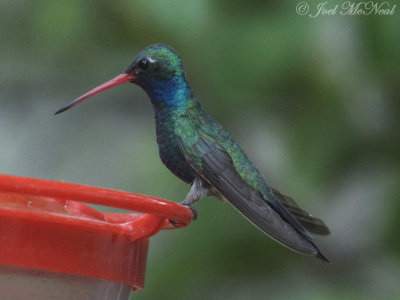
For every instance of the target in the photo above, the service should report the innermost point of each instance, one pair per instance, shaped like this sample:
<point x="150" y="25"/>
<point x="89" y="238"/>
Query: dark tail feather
<point x="313" y="225"/>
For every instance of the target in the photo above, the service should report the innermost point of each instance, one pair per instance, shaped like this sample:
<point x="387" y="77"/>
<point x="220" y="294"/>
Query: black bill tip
<point x="62" y="109"/>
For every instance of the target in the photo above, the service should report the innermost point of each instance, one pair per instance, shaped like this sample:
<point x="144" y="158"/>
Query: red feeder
<point x="52" y="246"/>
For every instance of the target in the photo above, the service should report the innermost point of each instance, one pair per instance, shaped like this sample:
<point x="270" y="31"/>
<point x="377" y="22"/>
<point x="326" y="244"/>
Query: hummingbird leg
<point x="199" y="189"/>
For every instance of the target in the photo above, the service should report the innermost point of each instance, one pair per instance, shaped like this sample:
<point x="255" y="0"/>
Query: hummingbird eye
<point x="144" y="64"/>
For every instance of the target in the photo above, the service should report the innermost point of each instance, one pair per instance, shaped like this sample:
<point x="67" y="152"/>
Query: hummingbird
<point x="199" y="151"/>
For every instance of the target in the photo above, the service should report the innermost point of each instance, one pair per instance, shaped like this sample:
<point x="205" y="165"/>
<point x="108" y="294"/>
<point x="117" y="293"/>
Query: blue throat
<point x="173" y="94"/>
<point x="170" y="99"/>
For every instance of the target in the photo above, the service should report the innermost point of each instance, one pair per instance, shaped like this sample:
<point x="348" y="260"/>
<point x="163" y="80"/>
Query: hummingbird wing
<point x="213" y="154"/>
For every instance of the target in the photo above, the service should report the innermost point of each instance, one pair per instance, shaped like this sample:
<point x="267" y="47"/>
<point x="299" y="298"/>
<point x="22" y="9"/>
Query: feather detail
<point x="208" y="157"/>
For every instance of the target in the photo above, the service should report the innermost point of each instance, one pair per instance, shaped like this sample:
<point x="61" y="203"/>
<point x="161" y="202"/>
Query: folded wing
<point x="210" y="160"/>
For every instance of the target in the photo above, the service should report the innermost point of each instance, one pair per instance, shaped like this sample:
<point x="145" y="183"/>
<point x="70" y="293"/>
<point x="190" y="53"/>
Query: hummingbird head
<point x="155" y="63"/>
<point x="158" y="69"/>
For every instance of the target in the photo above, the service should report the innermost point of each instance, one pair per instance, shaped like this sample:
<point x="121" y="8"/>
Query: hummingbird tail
<point x="313" y="225"/>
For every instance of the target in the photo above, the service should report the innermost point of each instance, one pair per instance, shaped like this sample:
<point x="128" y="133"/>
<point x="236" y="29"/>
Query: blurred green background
<point x="313" y="101"/>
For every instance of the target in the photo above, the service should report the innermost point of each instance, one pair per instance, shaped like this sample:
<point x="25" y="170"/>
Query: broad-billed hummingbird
<point x="200" y="152"/>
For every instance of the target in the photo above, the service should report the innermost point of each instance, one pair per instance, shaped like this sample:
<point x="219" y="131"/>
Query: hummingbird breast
<point x="168" y="148"/>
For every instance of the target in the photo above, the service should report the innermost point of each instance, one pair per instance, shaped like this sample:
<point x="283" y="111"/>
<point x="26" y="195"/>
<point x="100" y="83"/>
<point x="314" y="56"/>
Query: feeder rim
<point x="96" y="195"/>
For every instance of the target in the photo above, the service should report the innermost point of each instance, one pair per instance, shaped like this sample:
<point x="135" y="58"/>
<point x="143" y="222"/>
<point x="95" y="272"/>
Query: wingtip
<point x="320" y="256"/>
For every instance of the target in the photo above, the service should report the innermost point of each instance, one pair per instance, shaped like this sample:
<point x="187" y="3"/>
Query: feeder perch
<point x="53" y="246"/>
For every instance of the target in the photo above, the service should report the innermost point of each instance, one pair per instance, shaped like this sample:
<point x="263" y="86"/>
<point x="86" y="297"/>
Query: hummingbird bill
<point x="199" y="151"/>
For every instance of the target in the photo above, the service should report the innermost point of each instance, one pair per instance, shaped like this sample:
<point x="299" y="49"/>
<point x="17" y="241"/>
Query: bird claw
<point x="173" y="223"/>
<point x="194" y="213"/>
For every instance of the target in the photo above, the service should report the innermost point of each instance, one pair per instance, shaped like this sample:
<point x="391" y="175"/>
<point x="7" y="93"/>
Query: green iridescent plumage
<point x="199" y="151"/>
<point x="211" y="155"/>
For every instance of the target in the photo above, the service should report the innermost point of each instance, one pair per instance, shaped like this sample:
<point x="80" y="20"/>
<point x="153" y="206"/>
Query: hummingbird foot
<point x="173" y="223"/>
<point x="199" y="189"/>
<point x="194" y="213"/>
